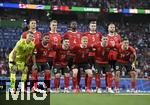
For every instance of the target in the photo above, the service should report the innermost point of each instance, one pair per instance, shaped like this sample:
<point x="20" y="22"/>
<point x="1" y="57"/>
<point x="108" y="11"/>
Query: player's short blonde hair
<point x="53" y="21"/>
<point x="84" y="38"/>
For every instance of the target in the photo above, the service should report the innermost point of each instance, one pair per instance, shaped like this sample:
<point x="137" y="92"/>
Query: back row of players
<point x="71" y="53"/>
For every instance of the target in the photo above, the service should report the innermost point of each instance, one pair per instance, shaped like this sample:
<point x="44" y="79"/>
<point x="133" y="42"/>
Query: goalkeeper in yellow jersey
<point x="19" y="57"/>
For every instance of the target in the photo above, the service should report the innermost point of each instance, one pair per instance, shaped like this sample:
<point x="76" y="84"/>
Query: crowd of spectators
<point x="90" y="3"/>
<point x="104" y="3"/>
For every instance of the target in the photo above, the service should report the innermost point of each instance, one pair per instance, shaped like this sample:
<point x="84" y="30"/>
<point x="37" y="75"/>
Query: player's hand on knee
<point x="14" y="68"/>
<point x="133" y="66"/>
<point x="57" y="75"/>
<point x="67" y="74"/>
<point x="25" y="70"/>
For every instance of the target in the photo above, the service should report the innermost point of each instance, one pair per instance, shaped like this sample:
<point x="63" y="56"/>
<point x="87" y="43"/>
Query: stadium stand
<point x="90" y="3"/>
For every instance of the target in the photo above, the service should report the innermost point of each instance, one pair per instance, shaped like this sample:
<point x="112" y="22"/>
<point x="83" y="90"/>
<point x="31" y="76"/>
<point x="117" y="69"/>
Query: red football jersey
<point x="55" y="39"/>
<point x="74" y="38"/>
<point x="101" y="53"/>
<point x="81" y="54"/>
<point x="124" y="55"/>
<point x="93" y="39"/>
<point x="61" y="56"/>
<point x="113" y="41"/>
<point x="41" y="52"/>
<point x="37" y="36"/>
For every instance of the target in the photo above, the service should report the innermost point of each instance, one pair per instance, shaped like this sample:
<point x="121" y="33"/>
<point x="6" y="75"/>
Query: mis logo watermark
<point x="21" y="92"/>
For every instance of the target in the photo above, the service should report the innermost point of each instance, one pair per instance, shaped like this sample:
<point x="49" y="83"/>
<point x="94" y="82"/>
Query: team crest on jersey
<point x="78" y="35"/>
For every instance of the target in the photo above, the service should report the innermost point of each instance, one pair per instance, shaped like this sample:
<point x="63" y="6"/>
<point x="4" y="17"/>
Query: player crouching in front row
<point x="101" y="63"/>
<point x="19" y="57"/>
<point x="40" y="63"/>
<point x="126" y="58"/>
<point x="81" y="61"/>
<point x="60" y="65"/>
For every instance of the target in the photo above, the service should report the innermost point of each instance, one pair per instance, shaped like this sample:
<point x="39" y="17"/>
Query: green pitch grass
<point x="99" y="99"/>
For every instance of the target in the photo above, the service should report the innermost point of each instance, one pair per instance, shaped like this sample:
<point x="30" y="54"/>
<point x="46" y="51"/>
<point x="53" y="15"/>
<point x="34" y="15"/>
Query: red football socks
<point x="98" y="81"/>
<point x="66" y="81"/>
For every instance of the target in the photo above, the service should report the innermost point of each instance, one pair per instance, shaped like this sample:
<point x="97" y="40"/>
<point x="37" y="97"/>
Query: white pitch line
<point x="136" y="94"/>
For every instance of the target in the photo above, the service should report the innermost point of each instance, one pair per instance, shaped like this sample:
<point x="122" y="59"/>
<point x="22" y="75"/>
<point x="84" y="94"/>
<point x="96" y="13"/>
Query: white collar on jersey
<point x="92" y="32"/>
<point x="53" y="32"/>
<point x="114" y="34"/>
<point x="33" y="31"/>
<point x="73" y="31"/>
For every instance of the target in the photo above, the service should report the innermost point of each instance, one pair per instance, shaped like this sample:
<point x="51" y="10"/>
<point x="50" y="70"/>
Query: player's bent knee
<point x="34" y="72"/>
<point x="47" y="71"/>
<point x="89" y="72"/>
<point x="132" y="73"/>
<point x="133" y="76"/>
<point x="75" y="72"/>
<point x="117" y="73"/>
<point x="13" y="68"/>
<point x="57" y="75"/>
<point x="24" y="77"/>
<point x="67" y="74"/>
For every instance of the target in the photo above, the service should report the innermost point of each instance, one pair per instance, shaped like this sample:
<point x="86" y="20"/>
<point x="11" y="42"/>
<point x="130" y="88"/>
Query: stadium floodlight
<point x="12" y="19"/>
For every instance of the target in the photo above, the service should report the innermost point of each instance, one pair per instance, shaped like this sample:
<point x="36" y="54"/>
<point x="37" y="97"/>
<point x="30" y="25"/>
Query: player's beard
<point x="111" y="32"/>
<point x="84" y="45"/>
<point x="34" y="28"/>
<point x="53" y="30"/>
<point x="93" y="30"/>
<point x="74" y="29"/>
<point x="104" y="44"/>
<point x="125" y="47"/>
<point x="45" y="43"/>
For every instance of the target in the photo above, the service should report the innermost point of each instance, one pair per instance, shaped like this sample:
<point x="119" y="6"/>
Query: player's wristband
<point x="12" y="62"/>
<point x="34" y="53"/>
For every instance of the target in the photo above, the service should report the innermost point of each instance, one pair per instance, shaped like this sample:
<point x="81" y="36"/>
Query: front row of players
<point x="20" y="57"/>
